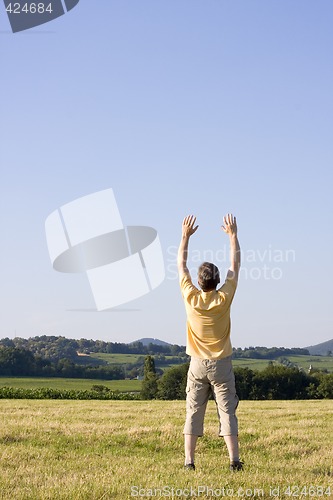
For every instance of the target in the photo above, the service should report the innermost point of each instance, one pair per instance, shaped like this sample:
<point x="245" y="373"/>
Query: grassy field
<point x="69" y="383"/>
<point x="320" y="362"/>
<point x="116" y="359"/>
<point x="120" y="359"/>
<point x="94" y="450"/>
<point x="254" y="364"/>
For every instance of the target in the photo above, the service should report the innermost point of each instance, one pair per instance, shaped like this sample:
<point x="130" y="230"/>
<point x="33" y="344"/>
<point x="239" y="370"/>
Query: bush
<point x="322" y="387"/>
<point x="172" y="384"/>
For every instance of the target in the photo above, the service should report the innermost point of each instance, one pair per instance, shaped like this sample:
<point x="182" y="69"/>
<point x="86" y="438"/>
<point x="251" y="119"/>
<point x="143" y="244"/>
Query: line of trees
<point x="59" y="347"/>
<point x="16" y="362"/>
<point x="58" y="357"/>
<point x="260" y="352"/>
<point x="283" y="382"/>
<point x="274" y="382"/>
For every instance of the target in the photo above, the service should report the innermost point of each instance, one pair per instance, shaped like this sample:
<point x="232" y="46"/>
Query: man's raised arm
<point x="230" y="227"/>
<point x="187" y="230"/>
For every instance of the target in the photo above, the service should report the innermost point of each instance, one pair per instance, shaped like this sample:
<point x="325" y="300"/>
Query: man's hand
<point x="230" y="225"/>
<point x="188" y="226"/>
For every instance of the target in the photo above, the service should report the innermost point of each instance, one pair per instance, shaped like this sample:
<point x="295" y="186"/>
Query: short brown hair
<point x="208" y="276"/>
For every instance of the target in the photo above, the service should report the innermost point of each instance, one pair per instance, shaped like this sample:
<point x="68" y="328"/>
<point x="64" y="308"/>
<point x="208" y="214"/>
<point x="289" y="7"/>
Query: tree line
<point x="260" y="352"/>
<point x="18" y="362"/>
<point x="274" y="382"/>
<point x="49" y="356"/>
<point x="59" y="347"/>
<point x="55" y="348"/>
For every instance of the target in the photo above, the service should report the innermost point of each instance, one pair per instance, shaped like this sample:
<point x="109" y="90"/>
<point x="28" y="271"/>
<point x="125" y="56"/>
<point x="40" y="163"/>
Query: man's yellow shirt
<point x="208" y="319"/>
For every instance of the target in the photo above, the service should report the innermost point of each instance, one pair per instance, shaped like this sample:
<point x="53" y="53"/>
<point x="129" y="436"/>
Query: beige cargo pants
<point x="206" y="376"/>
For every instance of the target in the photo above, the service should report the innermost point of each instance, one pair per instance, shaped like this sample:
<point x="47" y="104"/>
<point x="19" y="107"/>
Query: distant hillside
<point x="321" y="349"/>
<point x="147" y="341"/>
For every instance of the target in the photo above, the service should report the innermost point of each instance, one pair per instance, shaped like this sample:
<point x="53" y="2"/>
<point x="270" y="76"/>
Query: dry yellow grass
<point x="120" y="449"/>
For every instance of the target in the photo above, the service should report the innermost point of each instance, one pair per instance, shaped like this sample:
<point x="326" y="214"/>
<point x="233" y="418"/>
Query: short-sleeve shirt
<point x="208" y="318"/>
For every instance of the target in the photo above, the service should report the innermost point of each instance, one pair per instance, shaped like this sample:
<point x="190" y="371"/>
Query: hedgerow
<point x="47" y="393"/>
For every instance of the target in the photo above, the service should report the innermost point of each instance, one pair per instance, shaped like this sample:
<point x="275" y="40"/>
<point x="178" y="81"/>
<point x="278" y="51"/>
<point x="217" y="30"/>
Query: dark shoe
<point x="237" y="465"/>
<point x="189" y="467"/>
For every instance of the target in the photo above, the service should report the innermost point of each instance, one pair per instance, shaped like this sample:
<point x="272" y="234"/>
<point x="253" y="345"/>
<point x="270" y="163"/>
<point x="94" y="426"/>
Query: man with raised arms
<point x="208" y="343"/>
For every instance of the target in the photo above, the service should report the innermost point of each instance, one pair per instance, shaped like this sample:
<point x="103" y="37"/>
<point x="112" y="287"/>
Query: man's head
<point x="208" y="276"/>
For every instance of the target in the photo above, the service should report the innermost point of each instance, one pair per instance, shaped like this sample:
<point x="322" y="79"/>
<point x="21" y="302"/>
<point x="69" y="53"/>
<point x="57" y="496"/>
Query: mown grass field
<point x="94" y="450"/>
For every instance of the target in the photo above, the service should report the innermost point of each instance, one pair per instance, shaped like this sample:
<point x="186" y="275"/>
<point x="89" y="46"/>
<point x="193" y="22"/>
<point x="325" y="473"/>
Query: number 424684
<point x="32" y="8"/>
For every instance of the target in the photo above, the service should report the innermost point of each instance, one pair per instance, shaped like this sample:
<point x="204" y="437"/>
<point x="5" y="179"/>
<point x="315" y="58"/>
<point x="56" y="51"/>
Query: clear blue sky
<point x="191" y="106"/>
